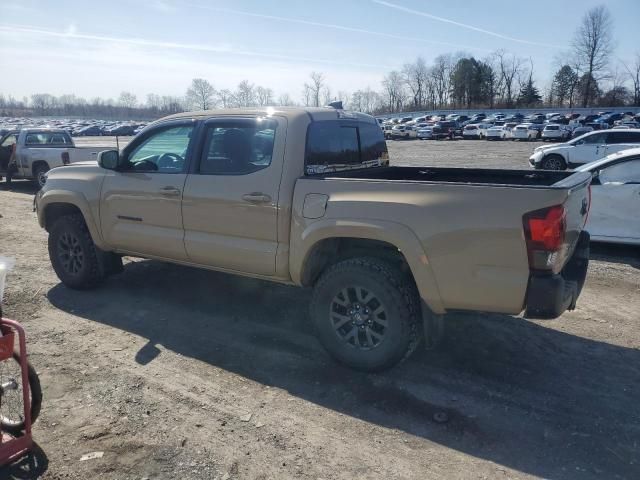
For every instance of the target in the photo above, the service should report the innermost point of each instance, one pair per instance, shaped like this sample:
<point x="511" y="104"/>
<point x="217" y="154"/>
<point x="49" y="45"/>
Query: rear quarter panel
<point x="469" y="250"/>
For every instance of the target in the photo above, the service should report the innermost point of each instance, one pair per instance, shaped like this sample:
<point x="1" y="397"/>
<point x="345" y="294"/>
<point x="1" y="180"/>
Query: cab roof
<point x="314" y="113"/>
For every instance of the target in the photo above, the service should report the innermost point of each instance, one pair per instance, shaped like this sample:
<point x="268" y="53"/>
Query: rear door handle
<point x="170" y="191"/>
<point x="256" y="197"/>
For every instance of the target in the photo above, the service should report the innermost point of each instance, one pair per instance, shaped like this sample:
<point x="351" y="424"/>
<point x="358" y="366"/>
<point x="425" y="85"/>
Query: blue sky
<point x="92" y="48"/>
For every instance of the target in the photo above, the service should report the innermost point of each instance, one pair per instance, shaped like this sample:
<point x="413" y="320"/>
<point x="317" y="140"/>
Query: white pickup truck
<point x="30" y="153"/>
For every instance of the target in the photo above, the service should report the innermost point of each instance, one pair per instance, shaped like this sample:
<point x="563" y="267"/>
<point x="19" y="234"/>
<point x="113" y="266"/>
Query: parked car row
<point x="76" y="128"/>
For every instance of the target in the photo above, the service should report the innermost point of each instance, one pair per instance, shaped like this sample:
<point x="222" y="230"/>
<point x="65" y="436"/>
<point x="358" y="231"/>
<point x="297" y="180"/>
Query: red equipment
<point x="17" y="443"/>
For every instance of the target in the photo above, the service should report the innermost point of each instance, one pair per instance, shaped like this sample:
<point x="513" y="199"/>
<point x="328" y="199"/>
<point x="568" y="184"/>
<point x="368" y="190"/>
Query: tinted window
<point x="238" y="147"/>
<point x="333" y="146"/>
<point x="163" y="151"/>
<point x="623" y="137"/>
<point x="624" y="172"/>
<point x="47" y="139"/>
<point x="372" y="144"/>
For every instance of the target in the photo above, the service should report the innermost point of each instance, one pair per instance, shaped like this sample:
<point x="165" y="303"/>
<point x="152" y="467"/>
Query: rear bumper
<point x="549" y="296"/>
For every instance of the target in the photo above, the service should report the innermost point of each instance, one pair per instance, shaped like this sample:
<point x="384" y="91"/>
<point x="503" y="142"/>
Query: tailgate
<point x="82" y="154"/>
<point x="555" y="285"/>
<point x="576" y="208"/>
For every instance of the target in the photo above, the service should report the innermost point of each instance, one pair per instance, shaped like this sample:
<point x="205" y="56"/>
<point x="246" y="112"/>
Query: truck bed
<point x="469" y="176"/>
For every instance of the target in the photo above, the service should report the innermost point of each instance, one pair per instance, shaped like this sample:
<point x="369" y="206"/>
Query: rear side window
<point x="44" y="139"/>
<point x="623" y="137"/>
<point x="238" y="147"/>
<point x="334" y="146"/>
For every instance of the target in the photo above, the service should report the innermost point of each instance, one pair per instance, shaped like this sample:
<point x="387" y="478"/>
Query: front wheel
<point x="11" y="396"/>
<point x="553" y="162"/>
<point x="365" y="312"/>
<point x="73" y="255"/>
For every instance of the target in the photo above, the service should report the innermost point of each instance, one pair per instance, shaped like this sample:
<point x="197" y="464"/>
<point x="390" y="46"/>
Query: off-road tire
<point x="15" y="427"/>
<point x="91" y="272"/>
<point x="394" y="289"/>
<point x="550" y="162"/>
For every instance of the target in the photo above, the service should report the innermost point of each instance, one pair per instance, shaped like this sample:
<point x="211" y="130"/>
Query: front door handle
<point x="256" y="197"/>
<point x="170" y="191"/>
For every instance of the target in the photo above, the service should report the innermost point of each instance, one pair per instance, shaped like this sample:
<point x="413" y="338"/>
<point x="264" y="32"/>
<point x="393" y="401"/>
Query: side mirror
<point x="109" y="159"/>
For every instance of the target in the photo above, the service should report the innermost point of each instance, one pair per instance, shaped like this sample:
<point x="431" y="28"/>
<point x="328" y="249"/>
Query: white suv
<point x="584" y="149"/>
<point x="554" y="131"/>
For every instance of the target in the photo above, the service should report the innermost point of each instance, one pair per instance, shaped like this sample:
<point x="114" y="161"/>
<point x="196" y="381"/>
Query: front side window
<point x="621" y="173"/>
<point x="238" y="147"/>
<point x="597" y="139"/>
<point x="162" y="152"/>
<point x="9" y="141"/>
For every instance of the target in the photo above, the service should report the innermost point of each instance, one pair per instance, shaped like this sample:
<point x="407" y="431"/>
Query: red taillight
<point x="545" y="234"/>
<point x="65" y="158"/>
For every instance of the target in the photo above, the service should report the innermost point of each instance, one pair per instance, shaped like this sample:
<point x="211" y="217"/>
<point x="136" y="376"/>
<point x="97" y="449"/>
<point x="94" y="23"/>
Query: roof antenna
<point x="337" y="105"/>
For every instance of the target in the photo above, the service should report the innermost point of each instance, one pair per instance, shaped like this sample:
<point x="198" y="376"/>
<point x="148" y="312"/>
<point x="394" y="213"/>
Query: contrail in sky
<point x="223" y="49"/>
<point x="459" y="24"/>
<point x="333" y="26"/>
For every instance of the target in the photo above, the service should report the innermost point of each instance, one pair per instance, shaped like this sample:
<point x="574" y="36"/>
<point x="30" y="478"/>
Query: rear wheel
<point x="366" y="314"/>
<point x="553" y="162"/>
<point x="40" y="174"/>
<point x="73" y="255"/>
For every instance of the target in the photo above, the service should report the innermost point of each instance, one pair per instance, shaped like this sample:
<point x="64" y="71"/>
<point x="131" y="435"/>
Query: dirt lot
<point x="179" y="373"/>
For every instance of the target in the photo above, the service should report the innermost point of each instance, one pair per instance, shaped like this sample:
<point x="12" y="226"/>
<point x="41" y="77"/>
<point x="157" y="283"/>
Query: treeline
<point x="585" y="77"/>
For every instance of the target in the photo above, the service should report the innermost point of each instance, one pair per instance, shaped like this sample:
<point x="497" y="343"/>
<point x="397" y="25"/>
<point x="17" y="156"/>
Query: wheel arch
<point x="36" y="164"/>
<point x="54" y="204"/>
<point x="325" y="242"/>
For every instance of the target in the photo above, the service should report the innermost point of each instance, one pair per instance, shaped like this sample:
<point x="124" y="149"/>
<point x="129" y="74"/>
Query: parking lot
<point x="175" y="372"/>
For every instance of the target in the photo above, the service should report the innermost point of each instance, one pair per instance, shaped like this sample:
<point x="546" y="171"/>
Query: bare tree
<point x="285" y="100"/>
<point x="511" y="69"/>
<point x="344" y="98"/>
<point x="592" y="46"/>
<point x="264" y="96"/>
<point x="415" y="76"/>
<point x="312" y="90"/>
<point x="326" y="96"/>
<point x="394" y="91"/>
<point x="154" y="101"/>
<point x="633" y="72"/>
<point x="441" y="80"/>
<point x="245" y="95"/>
<point x="225" y="98"/>
<point x="201" y="94"/>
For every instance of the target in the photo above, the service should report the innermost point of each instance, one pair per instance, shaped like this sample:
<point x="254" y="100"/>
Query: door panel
<point x="614" y="211"/>
<point x="230" y="203"/>
<point x="138" y="215"/>
<point x="586" y="153"/>
<point x="616" y="201"/>
<point x="141" y="206"/>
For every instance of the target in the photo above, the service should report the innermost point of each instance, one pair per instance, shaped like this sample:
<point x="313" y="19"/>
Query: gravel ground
<point x="174" y="372"/>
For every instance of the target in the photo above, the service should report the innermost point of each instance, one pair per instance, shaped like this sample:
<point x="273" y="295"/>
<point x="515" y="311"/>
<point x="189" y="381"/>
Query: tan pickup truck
<point x="307" y="197"/>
